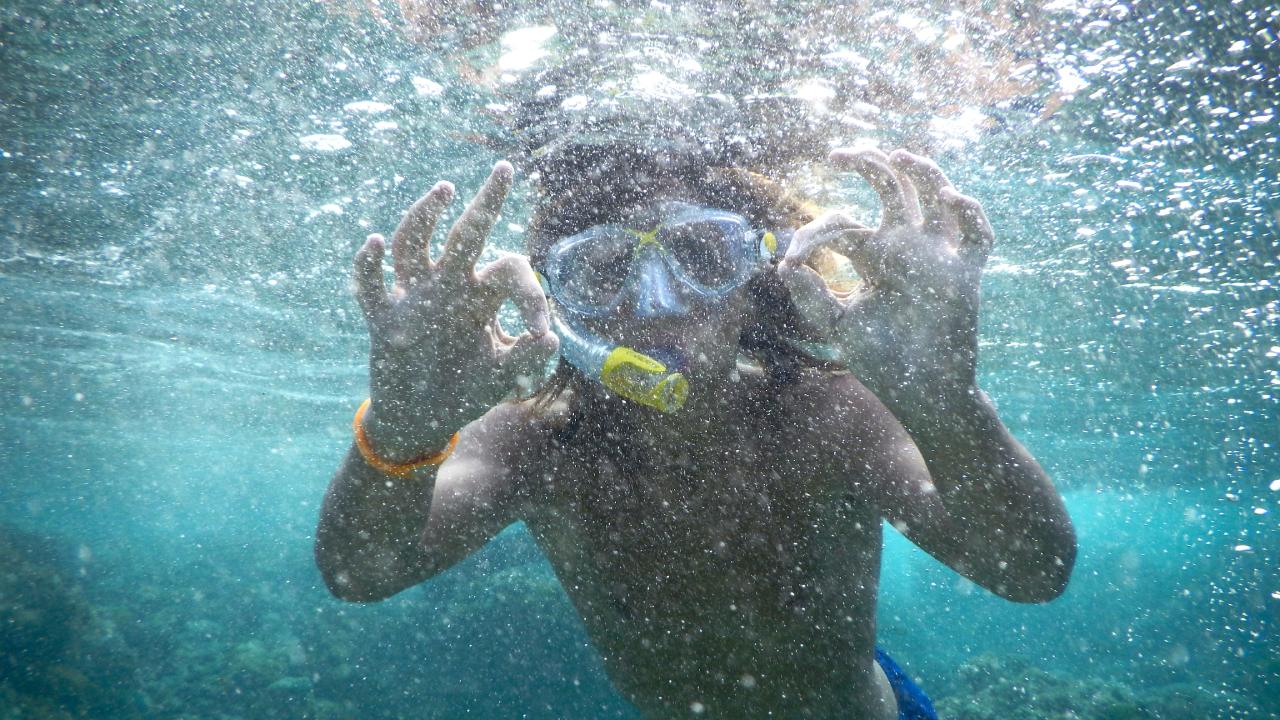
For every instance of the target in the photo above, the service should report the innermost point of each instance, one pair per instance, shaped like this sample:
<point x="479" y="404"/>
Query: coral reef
<point x="1009" y="688"/>
<point x="59" y="658"/>
<point x="234" y="635"/>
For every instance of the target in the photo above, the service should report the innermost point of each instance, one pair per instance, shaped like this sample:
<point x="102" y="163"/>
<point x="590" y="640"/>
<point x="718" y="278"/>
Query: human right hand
<point x="910" y="333"/>
<point x="438" y="356"/>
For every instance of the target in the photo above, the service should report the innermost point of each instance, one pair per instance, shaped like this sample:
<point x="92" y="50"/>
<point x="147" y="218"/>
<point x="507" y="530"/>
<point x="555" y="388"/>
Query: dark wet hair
<point x="599" y="184"/>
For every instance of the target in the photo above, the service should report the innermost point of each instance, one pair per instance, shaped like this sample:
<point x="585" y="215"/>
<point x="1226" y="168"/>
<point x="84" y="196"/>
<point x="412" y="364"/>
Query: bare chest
<point x="748" y="572"/>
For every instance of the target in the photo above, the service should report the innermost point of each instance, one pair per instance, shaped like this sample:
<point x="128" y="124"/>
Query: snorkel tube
<point x="631" y="374"/>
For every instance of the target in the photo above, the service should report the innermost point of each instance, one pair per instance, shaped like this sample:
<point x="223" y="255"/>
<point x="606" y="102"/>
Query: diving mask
<point x="709" y="253"/>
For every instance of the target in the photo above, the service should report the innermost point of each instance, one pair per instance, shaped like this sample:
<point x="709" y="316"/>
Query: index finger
<point x="468" y="235"/>
<point x="874" y="167"/>
<point x="976" y="235"/>
<point x="928" y="178"/>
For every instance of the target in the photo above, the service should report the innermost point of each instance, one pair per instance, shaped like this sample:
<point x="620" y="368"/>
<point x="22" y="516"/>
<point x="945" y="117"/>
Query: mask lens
<point x="707" y="251"/>
<point x="591" y="269"/>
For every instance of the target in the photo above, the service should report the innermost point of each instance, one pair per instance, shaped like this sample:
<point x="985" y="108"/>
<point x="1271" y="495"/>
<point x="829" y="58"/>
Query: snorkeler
<point x="708" y="491"/>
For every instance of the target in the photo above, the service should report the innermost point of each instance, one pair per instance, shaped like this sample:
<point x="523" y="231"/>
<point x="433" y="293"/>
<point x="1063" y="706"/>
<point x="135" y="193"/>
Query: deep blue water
<point x="182" y="355"/>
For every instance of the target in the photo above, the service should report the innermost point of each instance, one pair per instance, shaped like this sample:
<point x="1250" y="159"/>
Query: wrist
<point x="398" y="435"/>
<point x="939" y="408"/>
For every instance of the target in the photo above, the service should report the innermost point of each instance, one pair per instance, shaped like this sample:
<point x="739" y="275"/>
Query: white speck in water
<point x="747" y="681"/>
<point x="654" y="84"/>
<point x="1275" y="485"/>
<point x="1243" y="548"/>
<point x="385" y="125"/>
<point x="1070" y="80"/>
<point x="369" y="107"/>
<point x="697" y="708"/>
<point x="426" y="87"/>
<point x="847" y="58"/>
<point x="956" y="130"/>
<point x="817" y="91"/>
<point x="924" y="31"/>
<point x="324" y="142"/>
<point x="524" y="47"/>
<point x="575" y="102"/>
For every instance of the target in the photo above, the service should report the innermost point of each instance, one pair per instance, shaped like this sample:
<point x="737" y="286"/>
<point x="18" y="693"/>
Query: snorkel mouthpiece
<point x="631" y="374"/>
<point x="638" y="377"/>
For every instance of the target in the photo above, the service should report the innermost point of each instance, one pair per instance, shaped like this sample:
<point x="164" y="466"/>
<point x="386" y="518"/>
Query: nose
<point x="657" y="292"/>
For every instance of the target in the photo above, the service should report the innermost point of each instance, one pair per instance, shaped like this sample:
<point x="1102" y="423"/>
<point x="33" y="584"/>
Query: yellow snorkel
<point x="627" y="372"/>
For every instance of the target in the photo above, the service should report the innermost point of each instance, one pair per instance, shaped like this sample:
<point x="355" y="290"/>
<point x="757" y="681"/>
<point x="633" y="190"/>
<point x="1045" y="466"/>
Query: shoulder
<point x="849" y="431"/>
<point x="513" y="427"/>
<point x="513" y="437"/>
<point x="836" y="403"/>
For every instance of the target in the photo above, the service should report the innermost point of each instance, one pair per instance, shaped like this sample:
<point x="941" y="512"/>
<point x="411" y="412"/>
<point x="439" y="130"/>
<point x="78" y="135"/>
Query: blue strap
<point x="913" y="704"/>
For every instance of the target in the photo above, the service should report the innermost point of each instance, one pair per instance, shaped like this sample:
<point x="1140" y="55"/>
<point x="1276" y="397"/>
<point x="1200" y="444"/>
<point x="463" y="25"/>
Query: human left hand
<point x="910" y="332"/>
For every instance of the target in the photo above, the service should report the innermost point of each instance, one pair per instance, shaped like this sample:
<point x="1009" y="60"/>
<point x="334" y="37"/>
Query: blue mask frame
<point x="591" y="272"/>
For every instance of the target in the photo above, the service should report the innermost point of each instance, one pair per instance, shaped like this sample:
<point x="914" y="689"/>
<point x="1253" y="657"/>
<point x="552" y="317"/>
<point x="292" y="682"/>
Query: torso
<point x="737" y="584"/>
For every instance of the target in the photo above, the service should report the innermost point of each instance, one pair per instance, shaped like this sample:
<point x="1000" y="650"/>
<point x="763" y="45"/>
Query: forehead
<point x="659" y="212"/>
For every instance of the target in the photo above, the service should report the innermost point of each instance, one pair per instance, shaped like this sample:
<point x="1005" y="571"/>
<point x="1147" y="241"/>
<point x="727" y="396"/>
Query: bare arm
<point x="367" y="538"/>
<point x="379" y="534"/>
<point x="910" y="335"/>
<point x="438" y="359"/>
<point x="984" y="506"/>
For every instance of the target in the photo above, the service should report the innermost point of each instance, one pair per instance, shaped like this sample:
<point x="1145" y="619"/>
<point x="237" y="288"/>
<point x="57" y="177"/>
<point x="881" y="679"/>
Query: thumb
<point x="810" y="295"/>
<point x="832" y="229"/>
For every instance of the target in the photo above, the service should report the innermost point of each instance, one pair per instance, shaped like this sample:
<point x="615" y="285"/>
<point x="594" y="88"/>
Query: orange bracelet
<point x="400" y="470"/>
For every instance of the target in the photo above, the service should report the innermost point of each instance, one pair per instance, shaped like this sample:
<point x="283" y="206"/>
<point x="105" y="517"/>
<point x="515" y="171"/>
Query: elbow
<point x="341" y="587"/>
<point x="1033" y="593"/>
<point x="344" y="583"/>
<point x="1044" y="582"/>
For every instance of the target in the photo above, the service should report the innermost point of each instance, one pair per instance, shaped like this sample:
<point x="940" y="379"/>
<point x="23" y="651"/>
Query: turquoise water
<point x="182" y="355"/>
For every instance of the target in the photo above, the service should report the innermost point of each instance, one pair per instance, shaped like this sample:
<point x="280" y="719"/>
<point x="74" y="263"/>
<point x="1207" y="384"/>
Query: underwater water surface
<point x="182" y="187"/>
